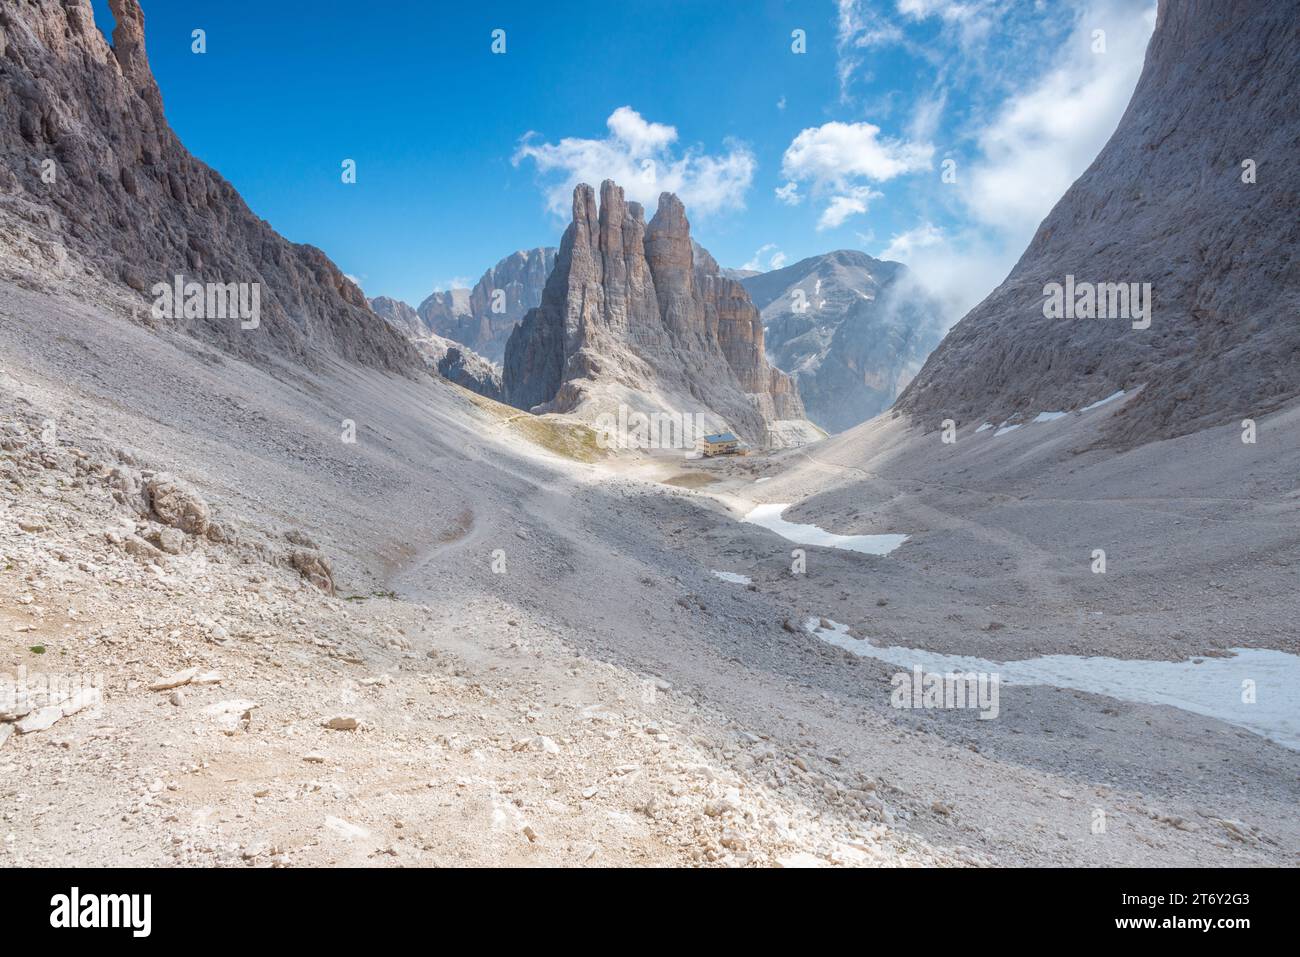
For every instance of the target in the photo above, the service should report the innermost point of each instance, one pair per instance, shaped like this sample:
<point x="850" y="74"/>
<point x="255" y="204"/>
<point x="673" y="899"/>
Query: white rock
<point x="85" y="698"/>
<point x="801" y="859"/>
<point x="345" y="828"/>
<point x="40" y="719"/>
<point x="174" y="681"/>
<point x="230" y="712"/>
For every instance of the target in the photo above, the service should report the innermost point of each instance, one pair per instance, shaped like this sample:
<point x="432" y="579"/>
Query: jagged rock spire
<point x="630" y="316"/>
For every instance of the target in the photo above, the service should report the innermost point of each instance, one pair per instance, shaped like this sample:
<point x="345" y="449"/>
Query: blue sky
<point x="464" y="155"/>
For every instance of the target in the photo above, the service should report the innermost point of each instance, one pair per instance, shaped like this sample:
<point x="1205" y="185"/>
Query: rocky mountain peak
<point x="851" y="329"/>
<point x="630" y="316"/>
<point x="483" y="317"/>
<point x="129" y="50"/>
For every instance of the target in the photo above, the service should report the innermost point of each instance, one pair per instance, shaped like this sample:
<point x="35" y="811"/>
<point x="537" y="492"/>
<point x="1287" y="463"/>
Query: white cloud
<point x="926" y="116"/>
<point x="789" y="194"/>
<point x="780" y="104"/>
<point x="775" y="261"/>
<point x="851" y="203"/>
<point x="642" y="138"/>
<point x="903" y="245"/>
<point x="755" y="261"/>
<point x="858" y="28"/>
<point x="836" y="152"/>
<point x="639" y="156"/>
<point x="950" y="10"/>
<point x="839" y="159"/>
<point x="1040" y="141"/>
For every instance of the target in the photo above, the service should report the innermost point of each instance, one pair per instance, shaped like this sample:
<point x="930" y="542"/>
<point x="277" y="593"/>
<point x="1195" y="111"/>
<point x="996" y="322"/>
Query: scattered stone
<point x="229" y="713"/>
<point x="343" y="722"/>
<point x="174" y="680"/>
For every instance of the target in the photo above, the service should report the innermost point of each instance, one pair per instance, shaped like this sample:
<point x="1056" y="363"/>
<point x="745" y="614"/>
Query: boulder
<point x="313" y="566"/>
<point x="176" y="504"/>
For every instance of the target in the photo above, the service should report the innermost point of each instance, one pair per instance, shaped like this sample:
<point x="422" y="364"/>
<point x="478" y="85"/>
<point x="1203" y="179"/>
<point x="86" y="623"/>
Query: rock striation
<point x="483" y="317"/>
<point x="1198" y="194"/>
<point x="850" y="329"/>
<point x="96" y="190"/>
<point x="632" y="316"/>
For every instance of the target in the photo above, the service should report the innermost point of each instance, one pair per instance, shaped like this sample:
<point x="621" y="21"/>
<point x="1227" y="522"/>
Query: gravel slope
<point x="607" y="573"/>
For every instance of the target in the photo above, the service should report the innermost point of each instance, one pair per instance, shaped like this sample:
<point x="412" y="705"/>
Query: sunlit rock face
<point x="633" y="315"/>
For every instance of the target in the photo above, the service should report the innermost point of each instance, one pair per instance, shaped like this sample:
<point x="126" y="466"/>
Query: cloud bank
<point x="643" y="158"/>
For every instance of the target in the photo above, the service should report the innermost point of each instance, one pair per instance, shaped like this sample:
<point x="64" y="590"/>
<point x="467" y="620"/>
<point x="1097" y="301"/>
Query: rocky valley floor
<point x="527" y="658"/>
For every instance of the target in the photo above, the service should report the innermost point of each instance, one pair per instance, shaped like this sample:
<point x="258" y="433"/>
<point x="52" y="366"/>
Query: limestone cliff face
<point x="446" y="313"/>
<point x="1164" y="203"/>
<point x="449" y="359"/>
<point x="398" y="314"/>
<point x="631" y="315"/>
<point x="483" y="317"/>
<point x="123" y="203"/>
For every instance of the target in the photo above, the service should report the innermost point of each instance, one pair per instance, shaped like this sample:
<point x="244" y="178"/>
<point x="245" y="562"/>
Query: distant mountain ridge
<point x="483" y="317"/>
<point x="851" y="329"/>
<point x="449" y="359"/>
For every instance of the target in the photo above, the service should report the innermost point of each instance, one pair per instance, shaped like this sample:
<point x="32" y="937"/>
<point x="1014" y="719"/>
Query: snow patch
<point x="769" y="516"/>
<point x="1100" y="402"/>
<point x="1208" y="686"/>
<point x="1053" y="416"/>
<point x="732" y="577"/>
